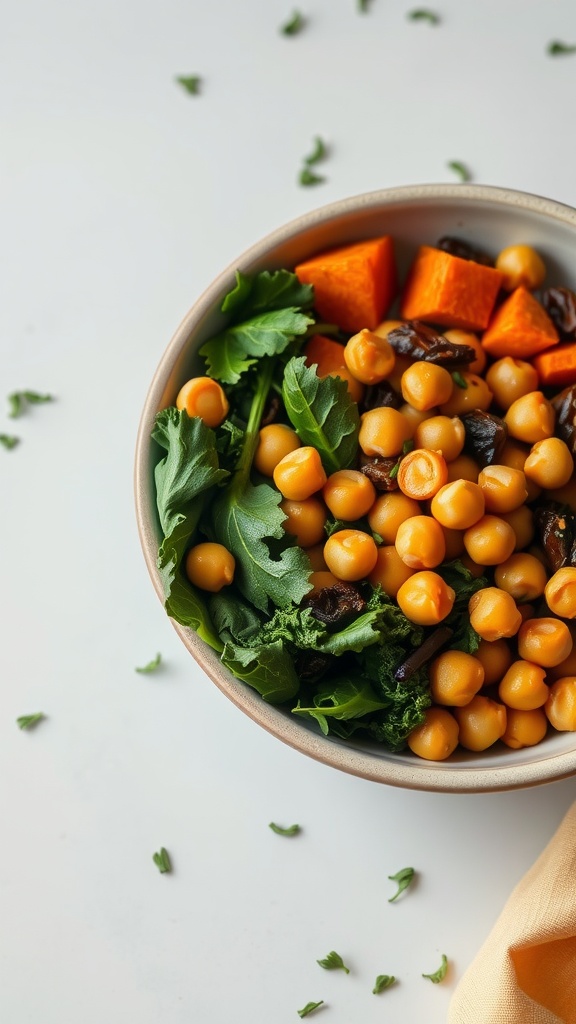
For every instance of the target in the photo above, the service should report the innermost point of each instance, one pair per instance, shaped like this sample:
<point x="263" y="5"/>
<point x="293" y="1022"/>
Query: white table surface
<point x="121" y="198"/>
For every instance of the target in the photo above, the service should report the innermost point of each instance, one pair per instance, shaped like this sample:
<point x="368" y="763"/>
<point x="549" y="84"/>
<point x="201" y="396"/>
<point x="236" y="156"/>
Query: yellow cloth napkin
<point x="525" y="973"/>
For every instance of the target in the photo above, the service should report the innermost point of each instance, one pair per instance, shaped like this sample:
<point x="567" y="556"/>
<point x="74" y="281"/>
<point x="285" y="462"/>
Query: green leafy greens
<point x="333" y="962"/>
<point x="440" y="974"/>
<point x="403" y="878"/>
<point x="322" y="413"/>
<point x="292" y="830"/>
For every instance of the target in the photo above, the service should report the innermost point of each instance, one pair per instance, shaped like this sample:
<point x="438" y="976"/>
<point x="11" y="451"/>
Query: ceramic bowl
<point x="489" y="217"/>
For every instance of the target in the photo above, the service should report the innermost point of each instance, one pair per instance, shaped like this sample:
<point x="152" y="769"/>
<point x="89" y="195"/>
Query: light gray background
<point x="121" y="197"/>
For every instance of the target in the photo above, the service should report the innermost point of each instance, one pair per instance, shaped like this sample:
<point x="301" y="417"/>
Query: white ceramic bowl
<point x="490" y="218"/>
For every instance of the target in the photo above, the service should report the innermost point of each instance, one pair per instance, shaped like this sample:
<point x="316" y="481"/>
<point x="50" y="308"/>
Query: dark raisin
<point x="419" y="341"/>
<point x="274" y="409"/>
<point x="378" y="472"/>
<point x="337" y="605"/>
<point x="381" y="395"/>
<point x="485" y="436"/>
<point x="557" y="531"/>
<point x="464" y="251"/>
<point x="312" y="665"/>
<point x="560" y="304"/>
<point x="432" y="644"/>
<point x="564" y="406"/>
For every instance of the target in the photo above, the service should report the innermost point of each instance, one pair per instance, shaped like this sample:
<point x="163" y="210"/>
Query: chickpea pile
<point x="522" y="678"/>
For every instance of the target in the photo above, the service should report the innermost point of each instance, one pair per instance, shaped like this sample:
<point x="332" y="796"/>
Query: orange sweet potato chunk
<point x="557" y="367"/>
<point x="520" y="328"/>
<point x="325" y="352"/>
<point x="353" y="285"/>
<point x="450" y="291"/>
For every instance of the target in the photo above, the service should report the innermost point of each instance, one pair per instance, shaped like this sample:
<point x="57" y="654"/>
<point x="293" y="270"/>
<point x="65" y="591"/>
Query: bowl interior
<point x="490" y="218"/>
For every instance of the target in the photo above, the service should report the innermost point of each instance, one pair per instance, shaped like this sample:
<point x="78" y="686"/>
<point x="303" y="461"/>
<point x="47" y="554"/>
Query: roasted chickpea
<point x="514" y="455"/>
<point x="425" y="385"/>
<point x="443" y="434"/>
<point x="460" y="337"/>
<point x="560" y="707"/>
<point x="463" y="468"/>
<point x="420" y="542"/>
<point x="210" y="566"/>
<point x="523" y="686"/>
<point x="203" y="397"/>
<point x="490" y="540"/>
<point x="567" y="667"/>
<point x="455" y="677"/>
<point x="504" y="489"/>
<point x="383" y="431"/>
<point x="369" y="357"/>
<point x="305" y="520"/>
<point x="544" y="641"/>
<point x="495" y="657"/>
<point x="454" y="541"/>
<point x="524" y="728"/>
<point x="476" y="395"/>
<point x="530" y="418"/>
<point x="349" y="494"/>
<point x="549" y="463"/>
<point x="390" y="510"/>
<point x="350" y="554"/>
<point x="493" y="614"/>
<point x="522" y="522"/>
<point x="458" y="505"/>
<point x="386" y="326"/>
<point x="481" y="723"/>
<point x="316" y="556"/>
<point x="425" y="598"/>
<point x="356" y="389"/>
<point x="400" y="365"/>
<point x="416" y="416"/>
<point x="320" y="580"/>
<point x="422" y="473"/>
<point x="560" y="593"/>
<point x="520" y="265"/>
<point x="274" y="442"/>
<point x="472" y="566"/>
<point x="522" y="576"/>
<point x="300" y="474"/>
<point x="510" y="379"/>
<point x="436" y="738"/>
<point x="390" y="572"/>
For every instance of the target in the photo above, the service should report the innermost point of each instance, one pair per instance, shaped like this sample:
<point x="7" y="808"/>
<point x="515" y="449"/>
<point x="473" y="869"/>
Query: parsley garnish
<point x="382" y="982"/>
<point x="423" y="14"/>
<point x="151" y="666"/>
<point x="9" y="440"/>
<point x="459" y="379"/>
<point x="307" y="177"/>
<point x="440" y="974"/>
<point x="190" y="82"/>
<point x="558" y="49"/>
<point x="30" y="721"/>
<point x="294" y="25"/>
<point x="406" y="447"/>
<point x="309" y="1008"/>
<point x="363" y="5"/>
<point x="162" y="861"/>
<point x="460" y="169"/>
<point x="292" y="830"/>
<point x="403" y="879"/>
<point x="18" y="400"/>
<point x="333" y="962"/>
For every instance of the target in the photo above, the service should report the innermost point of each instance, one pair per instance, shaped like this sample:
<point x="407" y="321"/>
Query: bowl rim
<point x="420" y="775"/>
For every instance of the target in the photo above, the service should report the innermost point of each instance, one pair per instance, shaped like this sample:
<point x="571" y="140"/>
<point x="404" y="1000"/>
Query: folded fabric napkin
<point x="525" y="973"/>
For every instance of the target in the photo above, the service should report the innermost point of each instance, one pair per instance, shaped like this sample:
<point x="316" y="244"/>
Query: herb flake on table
<point x="292" y="830"/>
<point x="19" y="399"/>
<point x="191" y="83"/>
<point x="151" y="666"/>
<point x="9" y="441"/>
<point x="30" y="721"/>
<point x="403" y="879"/>
<point x="424" y="14"/>
<point x="294" y="25"/>
<point x="363" y="5"/>
<point x="440" y="974"/>
<point x="333" y="962"/>
<point x="162" y="861"/>
<point x="459" y="169"/>
<point x="558" y="49"/>
<point x="309" y="1008"/>
<point x="383" y="981"/>
<point x="307" y="175"/>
